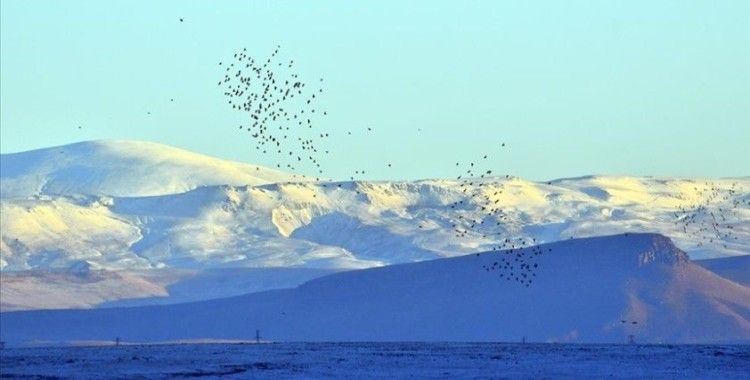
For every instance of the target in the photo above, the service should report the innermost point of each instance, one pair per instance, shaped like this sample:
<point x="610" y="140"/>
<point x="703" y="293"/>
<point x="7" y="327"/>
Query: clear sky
<point x="572" y="87"/>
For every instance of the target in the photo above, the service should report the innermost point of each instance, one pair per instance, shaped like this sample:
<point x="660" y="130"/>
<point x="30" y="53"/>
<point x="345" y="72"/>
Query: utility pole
<point x="257" y="336"/>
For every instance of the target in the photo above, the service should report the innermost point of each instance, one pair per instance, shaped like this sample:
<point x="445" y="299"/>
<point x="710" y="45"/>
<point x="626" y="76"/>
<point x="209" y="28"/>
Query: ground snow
<point x="381" y="360"/>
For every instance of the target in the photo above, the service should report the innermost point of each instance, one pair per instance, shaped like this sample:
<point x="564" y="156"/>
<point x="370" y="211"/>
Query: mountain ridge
<point x="152" y="231"/>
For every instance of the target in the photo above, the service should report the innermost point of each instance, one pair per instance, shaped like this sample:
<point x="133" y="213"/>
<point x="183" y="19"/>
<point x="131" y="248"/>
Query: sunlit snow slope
<point x="121" y="168"/>
<point x="586" y="290"/>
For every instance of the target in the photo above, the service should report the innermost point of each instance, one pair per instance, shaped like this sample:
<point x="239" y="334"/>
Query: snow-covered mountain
<point x="359" y="224"/>
<point x="599" y="289"/>
<point x="134" y="206"/>
<point x="121" y="168"/>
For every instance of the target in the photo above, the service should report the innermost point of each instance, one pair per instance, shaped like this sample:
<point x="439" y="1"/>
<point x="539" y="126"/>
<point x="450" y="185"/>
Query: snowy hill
<point x="134" y="206"/>
<point x="583" y="291"/>
<point x="350" y="224"/>
<point x="121" y="168"/>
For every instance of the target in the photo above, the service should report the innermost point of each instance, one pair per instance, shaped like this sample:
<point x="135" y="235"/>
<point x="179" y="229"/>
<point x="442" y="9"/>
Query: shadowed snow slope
<point x="121" y="168"/>
<point x="29" y="290"/>
<point x="735" y="268"/>
<point x="583" y="290"/>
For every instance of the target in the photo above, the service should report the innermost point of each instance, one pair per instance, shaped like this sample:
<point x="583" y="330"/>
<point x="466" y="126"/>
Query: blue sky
<point x="573" y="88"/>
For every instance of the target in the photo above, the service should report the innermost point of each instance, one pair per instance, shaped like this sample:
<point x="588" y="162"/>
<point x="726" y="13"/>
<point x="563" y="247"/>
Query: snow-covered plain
<point x="591" y="290"/>
<point x="132" y="207"/>
<point x="380" y="360"/>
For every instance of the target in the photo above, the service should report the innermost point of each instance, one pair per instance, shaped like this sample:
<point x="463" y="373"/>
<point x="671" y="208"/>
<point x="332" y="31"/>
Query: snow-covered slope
<point x="352" y="224"/>
<point x="736" y="268"/>
<point x="31" y="290"/>
<point x="121" y="168"/>
<point x="586" y="290"/>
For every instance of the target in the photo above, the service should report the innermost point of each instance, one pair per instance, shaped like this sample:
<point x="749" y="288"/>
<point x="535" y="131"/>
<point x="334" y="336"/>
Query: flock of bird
<point x="518" y="264"/>
<point x="711" y="218"/>
<point x="281" y="114"/>
<point x="486" y="218"/>
<point x="479" y="193"/>
<point x="279" y="109"/>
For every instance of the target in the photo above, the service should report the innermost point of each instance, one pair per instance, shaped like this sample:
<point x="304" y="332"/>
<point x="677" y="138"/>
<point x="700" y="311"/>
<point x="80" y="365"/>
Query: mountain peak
<point x="661" y="249"/>
<point x="646" y="247"/>
<point x="122" y="168"/>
